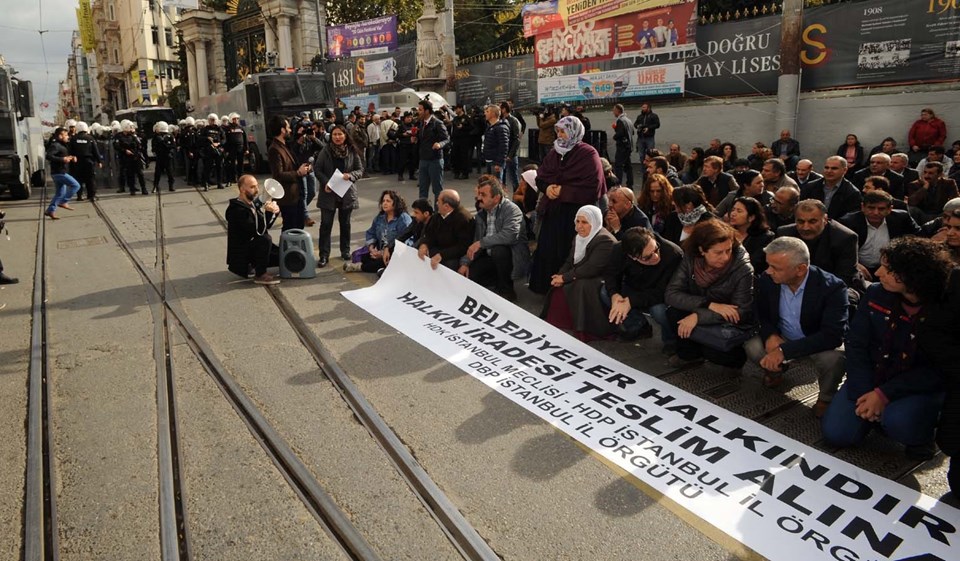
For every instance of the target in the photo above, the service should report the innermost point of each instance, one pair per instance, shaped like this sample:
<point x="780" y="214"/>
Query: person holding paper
<point x="338" y="167"/>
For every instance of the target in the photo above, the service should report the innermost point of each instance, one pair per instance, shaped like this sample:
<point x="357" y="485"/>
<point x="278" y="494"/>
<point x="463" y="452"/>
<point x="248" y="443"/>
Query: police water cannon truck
<point x="21" y="140"/>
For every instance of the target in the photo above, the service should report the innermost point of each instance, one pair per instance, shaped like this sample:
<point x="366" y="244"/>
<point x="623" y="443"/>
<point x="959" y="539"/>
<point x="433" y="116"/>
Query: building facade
<point x="222" y="49"/>
<point x="138" y="63"/>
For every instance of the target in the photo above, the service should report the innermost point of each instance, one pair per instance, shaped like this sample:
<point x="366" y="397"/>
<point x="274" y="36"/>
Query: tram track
<point x="175" y="530"/>
<point x="461" y="534"/>
<point x="41" y="540"/>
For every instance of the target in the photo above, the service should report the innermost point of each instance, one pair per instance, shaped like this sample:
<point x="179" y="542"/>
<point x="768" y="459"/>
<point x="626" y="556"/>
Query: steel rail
<point x="40" y="539"/>
<point x="322" y="506"/>
<point x="461" y="534"/>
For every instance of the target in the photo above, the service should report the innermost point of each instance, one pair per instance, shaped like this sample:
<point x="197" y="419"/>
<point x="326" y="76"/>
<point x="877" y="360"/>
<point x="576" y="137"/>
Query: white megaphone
<point x="271" y="190"/>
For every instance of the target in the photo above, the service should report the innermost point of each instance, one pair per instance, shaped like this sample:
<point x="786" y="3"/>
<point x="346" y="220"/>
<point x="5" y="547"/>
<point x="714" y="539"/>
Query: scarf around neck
<point x="691" y="218"/>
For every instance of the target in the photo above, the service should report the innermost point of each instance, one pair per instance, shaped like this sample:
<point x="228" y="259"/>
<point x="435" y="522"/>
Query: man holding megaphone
<point x="249" y="218"/>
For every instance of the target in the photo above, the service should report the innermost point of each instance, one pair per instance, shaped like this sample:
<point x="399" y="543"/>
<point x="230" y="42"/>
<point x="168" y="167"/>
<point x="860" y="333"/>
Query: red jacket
<point x="927" y="133"/>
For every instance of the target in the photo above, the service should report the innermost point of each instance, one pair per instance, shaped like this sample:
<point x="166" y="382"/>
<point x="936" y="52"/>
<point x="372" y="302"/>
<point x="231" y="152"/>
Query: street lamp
<point x="181" y="95"/>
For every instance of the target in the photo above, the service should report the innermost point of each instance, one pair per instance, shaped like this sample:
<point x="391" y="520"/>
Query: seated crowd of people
<point x="852" y="269"/>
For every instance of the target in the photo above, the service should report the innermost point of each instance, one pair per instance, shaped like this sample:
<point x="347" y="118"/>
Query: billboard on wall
<point x="736" y="58"/>
<point x="369" y="37"/>
<point x="648" y="81"/>
<point x="541" y="17"/>
<point x="512" y="79"/>
<point x="663" y="30"/>
<point x="374" y="74"/>
<point x="884" y="41"/>
<point x="844" y="45"/>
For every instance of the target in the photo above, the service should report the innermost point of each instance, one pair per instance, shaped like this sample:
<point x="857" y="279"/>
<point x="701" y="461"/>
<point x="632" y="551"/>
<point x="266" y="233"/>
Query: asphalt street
<point x="531" y="492"/>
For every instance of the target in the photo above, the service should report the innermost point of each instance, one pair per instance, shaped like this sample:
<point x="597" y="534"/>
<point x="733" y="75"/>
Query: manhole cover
<point x="82" y="242"/>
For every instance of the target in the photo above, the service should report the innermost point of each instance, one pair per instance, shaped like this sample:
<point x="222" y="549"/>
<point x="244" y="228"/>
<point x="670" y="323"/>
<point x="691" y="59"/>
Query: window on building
<point x="116" y="56"/>
<point x="155" y="34"/>
<point x="110" y="11"/>
<point x="152" y="5"/>
<point x="168" y="33"/>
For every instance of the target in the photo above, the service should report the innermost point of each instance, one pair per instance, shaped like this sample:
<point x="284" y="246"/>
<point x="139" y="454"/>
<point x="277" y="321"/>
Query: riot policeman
<point x="84" y="147"/>
<point x="210" y="140"/>
<point x="164" y="148"/>
<point x="236" y="149"/>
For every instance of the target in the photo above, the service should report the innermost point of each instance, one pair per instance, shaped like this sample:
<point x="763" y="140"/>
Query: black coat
<point x="823" y="313"/>
<point x="835" y="251"/>
<point x="847" y="199"/>
<point x="734" y="287"/>
<point x="939" y="340"/>
<point x="897" y="186"/>
<point x="842" y="152"/>
<point x="450" y="236"/>
<point x="644" y="285"/>
<point x="244" y="223"/>
<point x="635" y="217"/>
<point x="899" y="224"/>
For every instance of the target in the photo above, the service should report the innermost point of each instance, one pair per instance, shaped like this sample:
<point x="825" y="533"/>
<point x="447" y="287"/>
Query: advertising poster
<point x="498" y="80"/>
<point x="648" y="81"/>
<point x="541" y="17"/>
<point x="886" y="41"/>
<point x="651" y="32"/>
<point x="374" y="74"/>
<point x="372" y="36"/>
<point x="734" y="58"/>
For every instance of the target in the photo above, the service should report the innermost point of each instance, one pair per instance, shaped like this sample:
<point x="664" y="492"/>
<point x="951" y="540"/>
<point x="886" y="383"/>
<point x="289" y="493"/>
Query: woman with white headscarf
<point x="569" y="177"/>
<point x="574" y="302"/>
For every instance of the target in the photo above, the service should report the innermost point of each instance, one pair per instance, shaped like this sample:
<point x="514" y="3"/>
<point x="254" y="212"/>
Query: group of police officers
<point x="210" y="153"/>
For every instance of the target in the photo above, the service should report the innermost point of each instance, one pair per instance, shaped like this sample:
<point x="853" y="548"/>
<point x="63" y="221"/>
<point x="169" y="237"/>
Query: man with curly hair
<point x="894" y="383"/>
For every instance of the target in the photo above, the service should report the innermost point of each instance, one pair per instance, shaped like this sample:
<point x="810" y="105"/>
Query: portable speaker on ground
<point x="297" y="260"/>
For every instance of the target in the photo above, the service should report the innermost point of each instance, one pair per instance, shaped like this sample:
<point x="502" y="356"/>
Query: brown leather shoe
<point x="820" y="408"/>
<point x="51" y="215"/>
<point x="310" y="222"/>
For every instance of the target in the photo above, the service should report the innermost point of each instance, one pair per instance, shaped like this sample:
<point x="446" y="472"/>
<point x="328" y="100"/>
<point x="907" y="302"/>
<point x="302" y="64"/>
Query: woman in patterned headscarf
<point x="570" y="177"/>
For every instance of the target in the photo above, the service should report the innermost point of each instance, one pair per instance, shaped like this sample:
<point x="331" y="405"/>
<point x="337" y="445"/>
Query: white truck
<point x="21" y="140"/>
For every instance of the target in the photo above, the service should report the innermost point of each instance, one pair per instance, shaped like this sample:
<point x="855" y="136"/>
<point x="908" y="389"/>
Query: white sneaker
<point x="351" y="267"/>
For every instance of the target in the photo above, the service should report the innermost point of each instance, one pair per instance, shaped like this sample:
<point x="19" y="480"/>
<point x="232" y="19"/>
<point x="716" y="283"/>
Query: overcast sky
<point x="20" y="45"/>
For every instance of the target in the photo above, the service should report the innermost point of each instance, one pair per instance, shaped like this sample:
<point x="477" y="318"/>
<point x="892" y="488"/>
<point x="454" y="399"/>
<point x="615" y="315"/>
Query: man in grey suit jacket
<point x="499" y="242"/>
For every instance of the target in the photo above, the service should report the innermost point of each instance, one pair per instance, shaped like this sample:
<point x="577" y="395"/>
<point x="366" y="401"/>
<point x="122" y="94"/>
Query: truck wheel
<point x="20" y="191"/>
<point x="258" y="164"/>
<point x="39" y="178"/>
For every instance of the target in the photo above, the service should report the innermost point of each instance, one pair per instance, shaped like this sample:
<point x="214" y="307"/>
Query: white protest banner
<point x="783" y="499"/>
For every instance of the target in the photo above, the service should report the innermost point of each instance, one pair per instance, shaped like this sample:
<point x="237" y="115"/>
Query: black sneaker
<point x="7" y="279"/>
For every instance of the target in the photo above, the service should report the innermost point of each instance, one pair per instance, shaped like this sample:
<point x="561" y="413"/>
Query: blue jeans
<point x="431" y="174"/>
<point x="636" y="320"/>
<point x="67" y="188"/>
<point x="373" y="158"/>
<point x="309" y="191"/>
<point x="511" y="172"/>
<point x="909" y="420"/>
<point x="491" y="170"/>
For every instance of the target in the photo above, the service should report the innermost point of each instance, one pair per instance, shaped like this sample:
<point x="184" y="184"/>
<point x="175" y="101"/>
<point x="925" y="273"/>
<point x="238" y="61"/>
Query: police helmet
<point x="213" y="117"/>
<point x="161" y="127"/>
<point x="190" y="121"/>
<point x="82" y="127"/>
